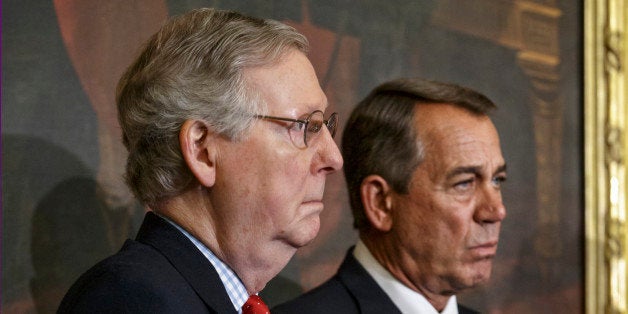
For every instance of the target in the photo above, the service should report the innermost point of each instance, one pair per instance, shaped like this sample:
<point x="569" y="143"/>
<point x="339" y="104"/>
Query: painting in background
<point x="64" y="205"/>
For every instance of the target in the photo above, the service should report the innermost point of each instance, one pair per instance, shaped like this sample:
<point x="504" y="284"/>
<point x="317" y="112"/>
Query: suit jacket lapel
<point x="187" y="259"/>
<point x="369" y="296"/>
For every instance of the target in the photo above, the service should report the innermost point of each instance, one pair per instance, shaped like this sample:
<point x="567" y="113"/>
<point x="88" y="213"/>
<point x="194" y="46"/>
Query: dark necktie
<point x="255" y="305"/>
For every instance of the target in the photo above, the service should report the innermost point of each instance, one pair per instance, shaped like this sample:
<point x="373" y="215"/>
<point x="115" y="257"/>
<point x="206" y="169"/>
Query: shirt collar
<point x="406" y="299"/>
<point x="233" y="285"/>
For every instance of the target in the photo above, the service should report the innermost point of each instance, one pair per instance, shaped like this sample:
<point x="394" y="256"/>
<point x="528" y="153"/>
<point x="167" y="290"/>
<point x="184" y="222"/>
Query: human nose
<point x="329" y="159"/>
<point x="490" y="208"/>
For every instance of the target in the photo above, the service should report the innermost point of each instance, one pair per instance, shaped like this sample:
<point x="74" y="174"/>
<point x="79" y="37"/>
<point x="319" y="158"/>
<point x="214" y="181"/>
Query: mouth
<point x="313" y="200"/>
<point x="314" y="205"/>
<point x="484" y="250"/>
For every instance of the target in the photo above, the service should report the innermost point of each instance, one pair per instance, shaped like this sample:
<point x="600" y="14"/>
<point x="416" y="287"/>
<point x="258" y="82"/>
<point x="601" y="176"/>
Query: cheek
<point x="418" y="227"/>
<point x="286" y="176"/>
<point x="455" y="217"/>
<point x="457" y="229"/>
<point x="448" y="229"/>
<point x="296" y="166"/>
<point x="285" y="185"/>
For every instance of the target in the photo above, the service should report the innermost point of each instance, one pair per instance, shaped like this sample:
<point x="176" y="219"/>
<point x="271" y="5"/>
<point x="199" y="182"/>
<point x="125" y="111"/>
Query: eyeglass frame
<point x="306" y="122"/>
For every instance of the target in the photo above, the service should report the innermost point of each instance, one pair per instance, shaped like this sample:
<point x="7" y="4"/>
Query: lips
<point x="488" y="244"/>
<point x="313" y="200"/>
<point x="484" y="250"/>
<point x="316" y="205"/>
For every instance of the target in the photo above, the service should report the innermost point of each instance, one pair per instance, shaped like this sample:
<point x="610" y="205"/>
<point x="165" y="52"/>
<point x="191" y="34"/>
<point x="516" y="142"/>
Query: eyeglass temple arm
<point x="280" y="118"/>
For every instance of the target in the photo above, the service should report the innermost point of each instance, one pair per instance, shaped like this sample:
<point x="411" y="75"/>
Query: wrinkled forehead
<point x="437" y="118"/>
<point x="445" y="129"/>
<point x="290" y="84"/>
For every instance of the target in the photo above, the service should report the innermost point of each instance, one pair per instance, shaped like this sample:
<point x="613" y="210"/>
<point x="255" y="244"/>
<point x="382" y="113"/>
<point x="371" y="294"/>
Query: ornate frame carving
<point x="606" y="151"/>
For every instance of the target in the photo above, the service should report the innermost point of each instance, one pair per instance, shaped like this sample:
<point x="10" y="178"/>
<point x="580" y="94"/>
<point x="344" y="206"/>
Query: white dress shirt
<point x="406" y="299"/>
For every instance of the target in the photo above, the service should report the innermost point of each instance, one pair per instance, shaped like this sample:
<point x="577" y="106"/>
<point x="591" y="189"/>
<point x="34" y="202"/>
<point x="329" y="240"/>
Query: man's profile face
<point x="270" y="190"/>
<point x="448" y="224"/>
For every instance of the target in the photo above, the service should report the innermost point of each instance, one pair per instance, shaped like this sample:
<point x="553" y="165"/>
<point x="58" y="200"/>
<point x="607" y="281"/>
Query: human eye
<point x="314" y="126"/>
<point x="464" y="185"/>
<point x="298" y="126"/>
<point x="498" y="180"/>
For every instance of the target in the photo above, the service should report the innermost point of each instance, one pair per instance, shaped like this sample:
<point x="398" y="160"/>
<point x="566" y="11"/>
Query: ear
<point x="199" y="150"/>
<point x="377" y="202"/>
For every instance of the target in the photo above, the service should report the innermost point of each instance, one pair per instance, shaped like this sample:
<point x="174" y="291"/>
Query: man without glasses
<point x="424" y="170"/>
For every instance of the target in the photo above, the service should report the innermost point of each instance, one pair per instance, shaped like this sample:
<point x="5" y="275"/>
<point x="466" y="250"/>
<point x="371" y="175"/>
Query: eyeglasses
<point x="310" y="127"/>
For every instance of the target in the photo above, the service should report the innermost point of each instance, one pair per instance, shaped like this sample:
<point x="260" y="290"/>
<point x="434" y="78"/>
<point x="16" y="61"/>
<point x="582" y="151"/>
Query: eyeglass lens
<point x="315" y="124"/>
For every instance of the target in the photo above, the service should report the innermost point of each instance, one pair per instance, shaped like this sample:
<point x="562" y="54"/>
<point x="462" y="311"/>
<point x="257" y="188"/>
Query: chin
<point x="473" y="275"/>
<point x="305" y="232"/>
<point x="481" y="273"/>
<point x="467" y="282"/>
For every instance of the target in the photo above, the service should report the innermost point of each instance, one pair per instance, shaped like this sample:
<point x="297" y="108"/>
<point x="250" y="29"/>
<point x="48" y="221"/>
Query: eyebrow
<point x="473" y="170"/>
<point x="501" y="168"/>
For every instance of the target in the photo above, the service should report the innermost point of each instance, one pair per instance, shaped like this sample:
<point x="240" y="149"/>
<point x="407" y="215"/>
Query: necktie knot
<point x="255" y="305"/>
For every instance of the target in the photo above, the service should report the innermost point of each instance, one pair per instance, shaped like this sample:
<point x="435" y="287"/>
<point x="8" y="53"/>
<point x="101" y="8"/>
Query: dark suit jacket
<point x="160" y="272"/>
<point x="351" y="290"/>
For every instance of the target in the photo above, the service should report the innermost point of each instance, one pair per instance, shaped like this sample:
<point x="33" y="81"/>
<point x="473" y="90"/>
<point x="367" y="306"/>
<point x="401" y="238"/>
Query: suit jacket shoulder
<point x="160" y="272"/>
<point x="351" y="290"/>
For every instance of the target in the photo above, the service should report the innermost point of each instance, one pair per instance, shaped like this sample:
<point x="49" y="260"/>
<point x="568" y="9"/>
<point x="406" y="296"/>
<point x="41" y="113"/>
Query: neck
<point x="256" y="271"/>
<point x="405" y="269"/>
<point x="254" y="263"/>
<point x="193" y="214"/>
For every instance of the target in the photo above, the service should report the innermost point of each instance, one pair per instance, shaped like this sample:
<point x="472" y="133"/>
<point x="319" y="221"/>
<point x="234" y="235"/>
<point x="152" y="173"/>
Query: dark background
<point x="64" y="206"/>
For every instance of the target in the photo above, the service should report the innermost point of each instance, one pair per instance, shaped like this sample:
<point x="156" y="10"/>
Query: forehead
<point x="456" y="137"/>
<point x="289" y="85"/>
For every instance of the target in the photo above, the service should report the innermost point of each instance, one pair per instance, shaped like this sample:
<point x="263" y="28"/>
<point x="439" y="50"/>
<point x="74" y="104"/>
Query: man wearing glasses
<point x="424" y="172"/>
<point x="229" y="149"/>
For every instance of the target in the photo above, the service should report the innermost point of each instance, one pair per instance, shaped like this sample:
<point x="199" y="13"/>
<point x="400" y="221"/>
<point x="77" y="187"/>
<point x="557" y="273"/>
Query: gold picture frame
<point x="606" y="150"/>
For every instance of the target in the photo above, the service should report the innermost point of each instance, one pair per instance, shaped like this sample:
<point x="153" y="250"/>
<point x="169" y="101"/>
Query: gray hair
<point x="192" y="69"/>
<point x="380" y="137"/>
